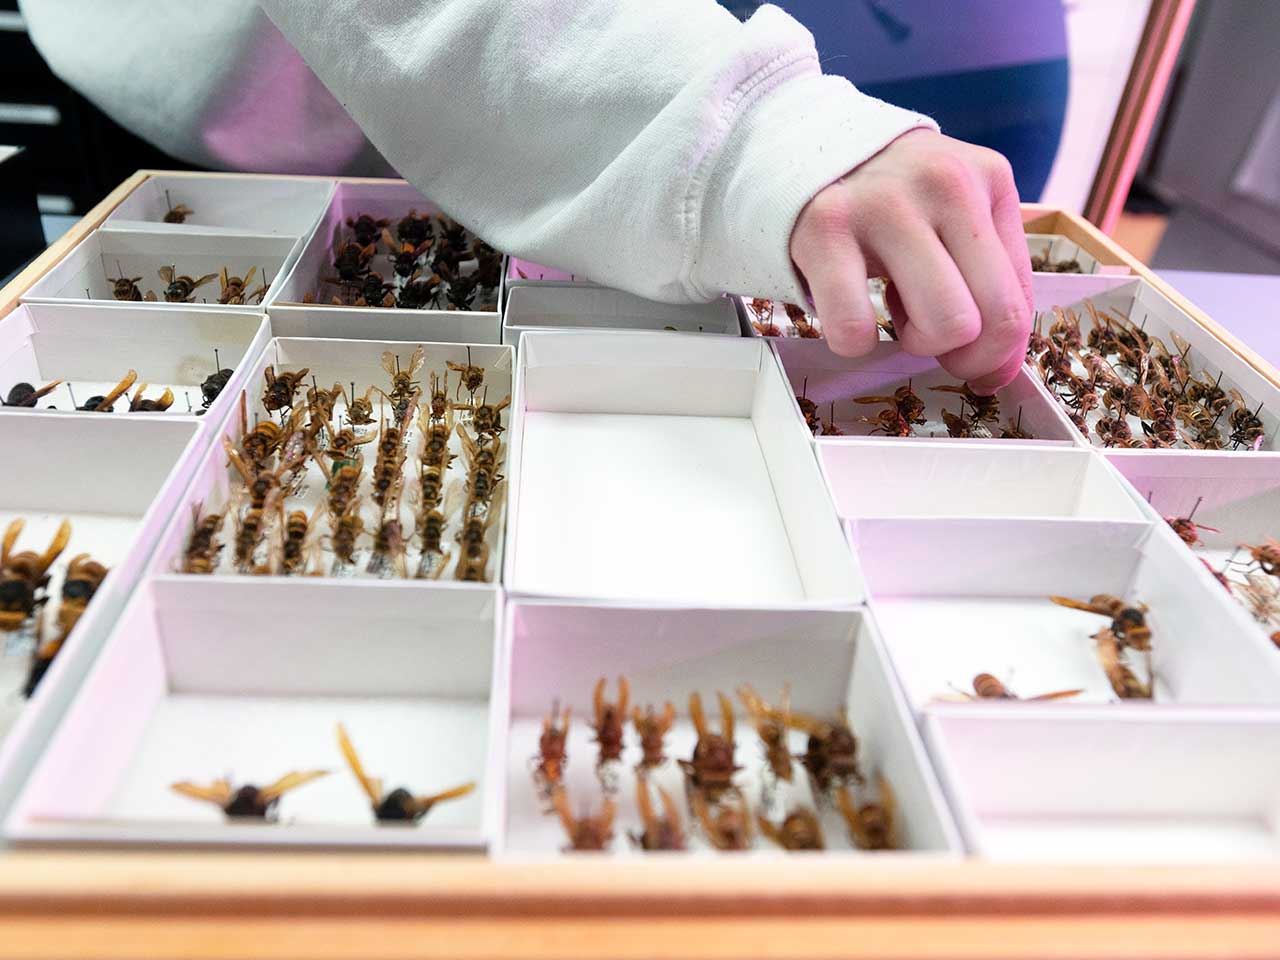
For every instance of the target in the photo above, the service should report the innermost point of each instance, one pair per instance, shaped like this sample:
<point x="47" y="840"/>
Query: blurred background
<point x="1160" y="119"/>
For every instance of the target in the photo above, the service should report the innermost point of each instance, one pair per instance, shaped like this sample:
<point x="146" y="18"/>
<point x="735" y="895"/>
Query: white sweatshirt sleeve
<point x="660" y="146"/>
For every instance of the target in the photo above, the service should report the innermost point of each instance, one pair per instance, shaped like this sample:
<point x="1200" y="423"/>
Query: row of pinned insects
<point x="1118" y="375"/>
<point x="906" y="410"/>
<point x="25" y="396"/>
<point x="24" y="595"/>
<point x="718" y="805"/>
<point x="181" y="288"/>
<point x="272" y="461"/>
<point x="434" y="264"/>
<point x="248" y="801"/>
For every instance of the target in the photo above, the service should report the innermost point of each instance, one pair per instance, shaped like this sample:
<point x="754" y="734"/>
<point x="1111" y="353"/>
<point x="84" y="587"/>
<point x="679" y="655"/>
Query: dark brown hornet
<point x="414" y="228"/>
<point x="398" y="806"/>
<point x="125" y="288"/>
<point x="661" y="831"/>
<point x="470" y="376"/>
<point x="763" y="323"/>
<point x="772" y="725"/>
<point x="282" y="388"/>
<point x="589" y="832"/>
<point x="728" y="827"/>
<point x="1128" y="621"/>
<point x="711" y="769"/>
<point x="84" y="577"/>
<point x="351" y="262"/>
<point x="248" y="801"/>
<point x="548" y="765"/>
<point x="24" y="576"/>
<point x="987" y="686"/>
<point x="404" y="256"/>
<point x="180" y="288"/>
<point x="872" y="826"/>
<point x="204" y="547"/>
<point x="905" y="401"/>
<point x="366" y="228"/>
<point x="178" y="213"/>
<point x="25" y="395"/>
<point x="610" y="719"/>
<point x="1186" y="528"/>
<point x="985" y="409"/>
<point x="212" y="386"/>
<point x="235" y="290"/>
<point x="800" y="830"/>
<point x="652" y="728"/>
<point x="831" y="755"/>
<point x="141" y="404"/>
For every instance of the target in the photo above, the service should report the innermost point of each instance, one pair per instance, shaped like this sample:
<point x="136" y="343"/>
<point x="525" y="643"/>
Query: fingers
<point x="837" y="276"/>
<point x="992" y="360"/>
<point x="940" y="314"/>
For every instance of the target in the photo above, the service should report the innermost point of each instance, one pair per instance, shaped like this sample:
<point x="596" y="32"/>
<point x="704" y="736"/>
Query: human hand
<point x="940" y="219"/>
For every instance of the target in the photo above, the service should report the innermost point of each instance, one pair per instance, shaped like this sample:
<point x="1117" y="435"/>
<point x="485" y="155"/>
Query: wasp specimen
<point x="589" y="832"/>
<point x="961" y="426"/>
<point x="610" y="721"/>
<point x="181" y="288"/>
<point x="548" y="765"/>
<point x="771" y="725"/>
<point x="405" y="254"/>
<point x="84" y="577"/>
<point x="24" y="575"/>
<point x="351" y="261"/>
<point x="470" y="375"/>
<point x="347" y="528"/>
<point x="24" y="395"/>
<point x="1186" y="528"/>
<point x="140" y="404"/>
<point x="726" y="827"/>
<point x="486" y="418"/>
<point x="296" y="544"/>
<point x="203" y="547"/>
<point x="809" y="409"/>
<point x="828" y="428"/>
<point x="125" y="288"/>
<point x="359" y="408"/>
<point x="987" y="686"/>
<point x="414" y="228"/>
<point x="461" y="294"/>
<point x="800" y="830"/>
<point x="251" y="529"/>
<point x="399" y="805"/>
<point x="710" y="771"/>
<point x="1128" y="621"/>
<point x="763" y="323"/>
<point x="661" y="831"/>
<point x="387" y="555"/>
<point x="403" y="385"/>
<point x="1123" y="680"/>
<point x="1014" y="431"/>
<point x="800" y="320"/>
<point x="178" y="213"/>
<point x="366" y="228"/>
<point x="344" y="486"/>
<point x="652" y="729"/>
<point x="281" y="389"/>
<point x="831" y="753"/>
<point x="367" y="290"/>
<point x="212" y="386"/>
<point x="1262" y="596"/>
<point x="985" y="409"/>
<point x="248" y="801"/>
<point x="1246" y="425"/>
<point x="906" y="403"/>
<point x="387" y="475"/>
<point x="235" y="290"/>
<point x="872" y="826"/>
<point x="1266" y="556"/>
<point x="418" y="293"/>
<point x="1040" y="263"/>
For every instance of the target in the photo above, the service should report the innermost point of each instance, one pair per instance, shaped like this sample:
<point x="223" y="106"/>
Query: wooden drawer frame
<point x="104" y="903"/>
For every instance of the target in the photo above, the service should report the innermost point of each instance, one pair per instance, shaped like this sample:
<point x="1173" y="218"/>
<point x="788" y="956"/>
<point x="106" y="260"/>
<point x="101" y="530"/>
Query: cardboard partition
<point x="389" y="200"/>
<point x="939" y="479"/>
<point x="832" y="382"/>
<point x="1111" y="786"/>
<point x="1159" y="317"/>
<point x="957" y="598"/>
<point x="340" y="362"/>
<point x="545" y="306"/>
<point x="289" y="206"/>
<point x="91" y="349"/>
<point x="831" y="659"/>
<point x="205" y="679"/>
<point x="666" y="467"/>
<point x="521" y="271"/>
<point x="87" y="272"/>
<point x="117" y="481"/>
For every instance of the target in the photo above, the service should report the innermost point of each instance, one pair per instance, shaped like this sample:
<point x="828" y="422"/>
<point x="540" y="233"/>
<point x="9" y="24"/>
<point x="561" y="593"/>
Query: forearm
<point x="658" y="146"/>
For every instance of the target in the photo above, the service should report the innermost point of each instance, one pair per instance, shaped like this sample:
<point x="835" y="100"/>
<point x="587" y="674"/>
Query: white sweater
<point x="660" y="146"/>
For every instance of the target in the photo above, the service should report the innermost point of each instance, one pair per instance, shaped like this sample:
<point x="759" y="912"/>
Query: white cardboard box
<point x="832" y="659"/>
<point x="192" y="686"/>
<point x="117" y="480"/>
<point x="91" y="349"/>
<point x="342" y="361"/>
<point x="564" y="306"/>
<point x="289" y="206"/>
<point x="954" y="598"/>
<point x="1111" y="786"/>
<point x="666" y="467"/>
<point x="86" y="273"/>
<point x="382" y="200"/>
